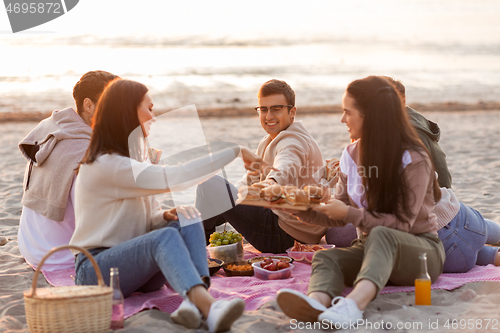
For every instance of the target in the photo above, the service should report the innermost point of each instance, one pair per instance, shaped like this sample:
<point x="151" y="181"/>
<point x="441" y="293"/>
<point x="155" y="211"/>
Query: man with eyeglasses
<point x="294" y="154"/>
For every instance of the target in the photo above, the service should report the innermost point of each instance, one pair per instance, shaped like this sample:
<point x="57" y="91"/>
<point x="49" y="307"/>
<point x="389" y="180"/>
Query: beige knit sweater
<point x="297" y="156"/>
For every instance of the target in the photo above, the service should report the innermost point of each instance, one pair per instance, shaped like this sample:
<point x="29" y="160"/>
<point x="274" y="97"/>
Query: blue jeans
<point x="259" y="226"/>
<point x="464" y="240"/>
<point x="172" y="254"/>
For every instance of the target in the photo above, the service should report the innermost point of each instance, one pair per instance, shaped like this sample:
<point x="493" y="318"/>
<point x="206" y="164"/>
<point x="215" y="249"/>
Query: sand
<point x="471" y="141"/>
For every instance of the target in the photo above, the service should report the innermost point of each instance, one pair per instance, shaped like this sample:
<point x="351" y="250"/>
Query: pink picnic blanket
<point x="257" y="292"/>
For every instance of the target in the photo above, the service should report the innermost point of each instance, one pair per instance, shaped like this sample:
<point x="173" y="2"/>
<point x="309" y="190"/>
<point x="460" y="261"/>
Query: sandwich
<point x="297" y="197"/>
<point x="289" y="188"/>
<point x="332" y="169"/>
<point x="154" y="155"/>
<point x="314" y="193"/>
<point x="249" y="193"/>
<point x="260" y="185"/>
<point x="273" y="194"/>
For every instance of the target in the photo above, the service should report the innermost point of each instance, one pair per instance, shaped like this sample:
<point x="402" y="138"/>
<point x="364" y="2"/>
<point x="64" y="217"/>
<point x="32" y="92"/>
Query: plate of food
<point x="305" y="252"/>
<point x="280" y="197"/>
<point x="214" y="265"/>
<point x="261" y="258"/>
<point x="272" y="269"/>
<point x="238" y="268"/>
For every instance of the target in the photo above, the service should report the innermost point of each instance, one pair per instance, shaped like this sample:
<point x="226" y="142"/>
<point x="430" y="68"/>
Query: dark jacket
<point x="429" y="133"/>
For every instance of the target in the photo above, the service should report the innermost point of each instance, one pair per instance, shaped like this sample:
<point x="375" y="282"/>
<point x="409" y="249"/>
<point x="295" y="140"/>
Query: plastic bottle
<point x="423" y="283"/>
<point x="117" y="317"/>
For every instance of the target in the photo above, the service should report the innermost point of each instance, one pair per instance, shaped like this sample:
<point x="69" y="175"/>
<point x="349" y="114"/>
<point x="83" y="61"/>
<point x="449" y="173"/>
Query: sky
<point x="182" y="48"/>
<point x="451" y="18"/>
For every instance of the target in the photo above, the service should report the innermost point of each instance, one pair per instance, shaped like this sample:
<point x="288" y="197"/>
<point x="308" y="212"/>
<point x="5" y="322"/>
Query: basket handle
<point x="100" y="280"/>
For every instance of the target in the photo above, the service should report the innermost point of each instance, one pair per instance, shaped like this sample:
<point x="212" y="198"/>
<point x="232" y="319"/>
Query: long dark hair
<point x="385" y="135"/>
<point x="115" y="118"/>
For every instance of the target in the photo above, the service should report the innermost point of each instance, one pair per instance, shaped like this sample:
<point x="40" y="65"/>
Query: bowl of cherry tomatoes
<point x="272" y="269"/>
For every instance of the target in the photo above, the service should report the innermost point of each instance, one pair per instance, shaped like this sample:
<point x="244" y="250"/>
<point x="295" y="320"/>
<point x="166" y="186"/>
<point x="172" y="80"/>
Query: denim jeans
<point x="172" y="254"/>
<point x="464" y="240"/>
<point x="259" y="226"/>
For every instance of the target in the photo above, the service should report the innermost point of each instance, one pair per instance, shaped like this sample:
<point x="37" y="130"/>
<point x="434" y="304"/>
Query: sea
<point x="219" y="55"/>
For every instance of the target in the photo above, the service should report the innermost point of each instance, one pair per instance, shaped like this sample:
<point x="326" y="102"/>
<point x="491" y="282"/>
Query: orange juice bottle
<point x="423" y="283"/>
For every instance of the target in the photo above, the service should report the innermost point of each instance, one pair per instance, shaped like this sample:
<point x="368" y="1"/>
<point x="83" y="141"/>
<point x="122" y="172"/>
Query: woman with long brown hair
<point x="119" y="221"/>
<point x="387" y="189"/>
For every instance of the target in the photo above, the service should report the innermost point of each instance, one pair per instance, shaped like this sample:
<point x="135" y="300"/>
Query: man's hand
<point x="188" y="212"/>
<point x="267" y="182"/>
<point x="335" y="209"/>
<point x="254" y="163"/>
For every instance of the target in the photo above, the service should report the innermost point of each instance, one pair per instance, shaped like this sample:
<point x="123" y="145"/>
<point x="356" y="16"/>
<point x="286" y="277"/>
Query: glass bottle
<point x="117" y="317"/>
<point x="423" y="283"/>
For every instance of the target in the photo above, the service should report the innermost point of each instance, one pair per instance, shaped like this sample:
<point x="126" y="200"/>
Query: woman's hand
<point x="254" y="163"/>
<point x="188" y="212"/>
<point x="335" y="209"/>
<point x="327" y="194"/>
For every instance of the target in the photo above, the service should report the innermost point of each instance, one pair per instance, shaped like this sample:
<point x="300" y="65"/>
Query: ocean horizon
<point x="442" y="52"/>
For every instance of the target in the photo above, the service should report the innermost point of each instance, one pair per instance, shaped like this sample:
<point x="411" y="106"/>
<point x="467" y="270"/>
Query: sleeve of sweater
<point x="137" y="179"/>
<point x="341" y="189"/>
<point x="247" y="180"/>
<point x="157" y="220"/>
<point x="289" y="159"/>
<point x="418" y="175"/>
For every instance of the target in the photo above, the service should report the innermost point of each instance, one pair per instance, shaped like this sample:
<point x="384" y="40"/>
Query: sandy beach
<point x="470" y="139"/>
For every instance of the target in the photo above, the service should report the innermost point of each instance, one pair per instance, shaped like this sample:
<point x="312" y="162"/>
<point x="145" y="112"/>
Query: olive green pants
<point x="384" y="255"/>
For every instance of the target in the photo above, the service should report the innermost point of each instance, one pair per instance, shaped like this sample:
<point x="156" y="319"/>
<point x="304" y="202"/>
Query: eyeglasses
<point x="274" y="108"/>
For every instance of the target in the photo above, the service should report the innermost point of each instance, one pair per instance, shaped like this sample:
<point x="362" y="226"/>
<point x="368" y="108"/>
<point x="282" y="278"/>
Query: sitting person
<point x="462" y="229"/>
<point x="429" y="133"/>
<point x="387" y="189"/>
<point x="122" y="225"/>
<point x="53" y="150"/>
<point x="295" y="156"/>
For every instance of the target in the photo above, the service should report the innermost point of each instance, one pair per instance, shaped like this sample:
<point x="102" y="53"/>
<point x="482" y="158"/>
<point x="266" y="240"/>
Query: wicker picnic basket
<point x="82" y="309"/>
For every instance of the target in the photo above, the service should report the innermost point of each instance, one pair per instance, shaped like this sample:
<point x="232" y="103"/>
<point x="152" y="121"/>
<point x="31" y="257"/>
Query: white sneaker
<point x="343" y="310"/>
<point x="187" y="315"/>
<point x="299" y="306"/>
<point x="223" y="314"/>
